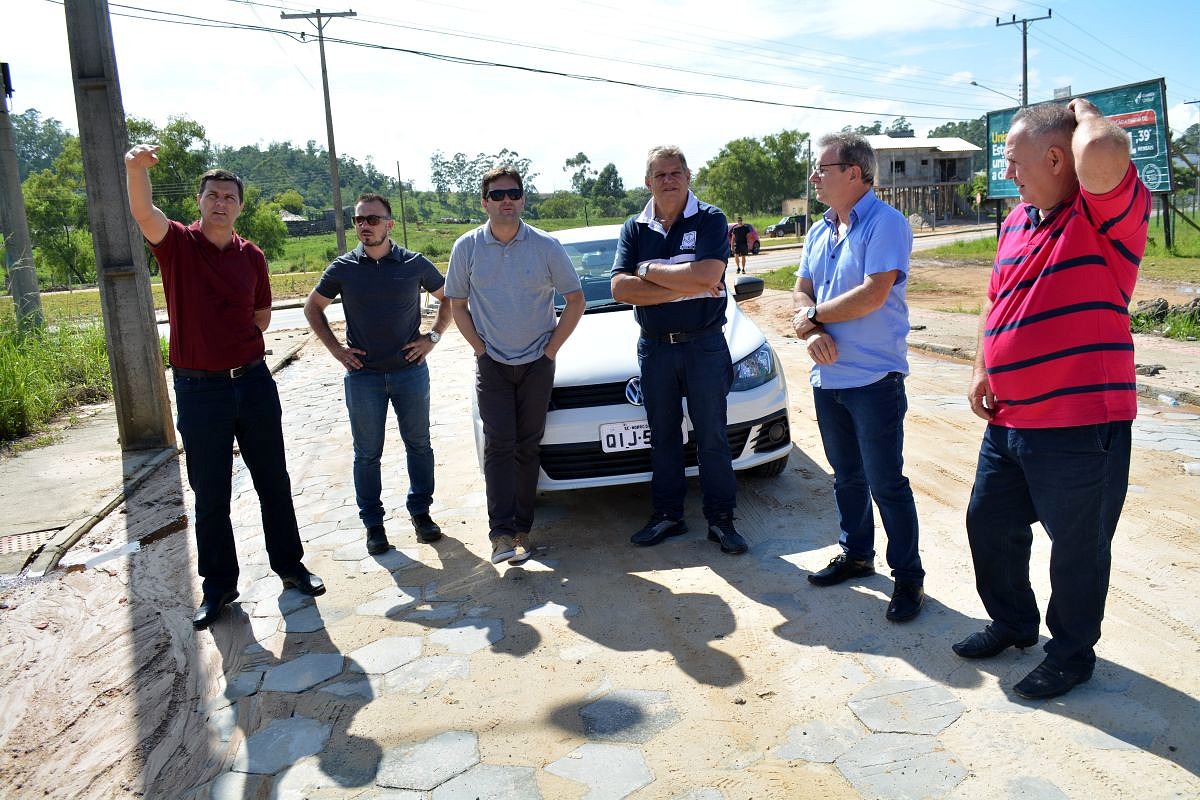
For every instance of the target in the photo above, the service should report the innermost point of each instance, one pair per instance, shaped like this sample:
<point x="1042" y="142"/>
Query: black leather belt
<point x="236" y="372"/>
<point x="682" y="336"/>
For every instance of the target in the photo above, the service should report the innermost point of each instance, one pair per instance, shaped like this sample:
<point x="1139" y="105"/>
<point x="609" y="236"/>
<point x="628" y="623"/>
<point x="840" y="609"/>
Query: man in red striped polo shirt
<point x="1054" y="378"/>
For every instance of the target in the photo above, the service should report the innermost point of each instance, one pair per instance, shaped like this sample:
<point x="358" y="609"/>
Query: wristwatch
<point x="643" y="269"/>
<point x="811" y="314"/>
<point x="435" y="337"/>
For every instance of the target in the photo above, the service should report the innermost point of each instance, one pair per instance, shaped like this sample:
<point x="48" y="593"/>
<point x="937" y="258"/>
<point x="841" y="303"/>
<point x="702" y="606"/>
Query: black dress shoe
<point x="721" y="530"/>
<point x="211" y="607"/>
<point x="907" y="599"/>
<point x="303" y="581"/>
<point x="989" y="642"/>
<point x="427" y="530"/>
<point x="1046" y="681"/>
<point x="658" y="529"/>
<point x="841" y="568"/>
<point x="377" y="541"/>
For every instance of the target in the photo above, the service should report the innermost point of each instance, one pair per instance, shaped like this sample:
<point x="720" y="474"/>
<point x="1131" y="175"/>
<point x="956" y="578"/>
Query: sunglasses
<point x="496" y="195"/>
<point x="370" y="219"/>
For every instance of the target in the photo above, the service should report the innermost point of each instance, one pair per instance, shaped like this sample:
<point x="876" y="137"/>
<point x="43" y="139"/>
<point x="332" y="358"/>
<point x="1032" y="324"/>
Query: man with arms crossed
<point x="852" y="313"/>
<point x="219" y="303"/>
<point x="670" y="265"/>
<point x="1054" y="378"/>
<point x="501" y="285"/>
<point x="384" y="357"/>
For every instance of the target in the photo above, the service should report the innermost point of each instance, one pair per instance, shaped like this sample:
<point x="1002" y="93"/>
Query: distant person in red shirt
<point x="219" y="304"/>
<point x="1054" y="378"/>
<point x="739" y="242"/>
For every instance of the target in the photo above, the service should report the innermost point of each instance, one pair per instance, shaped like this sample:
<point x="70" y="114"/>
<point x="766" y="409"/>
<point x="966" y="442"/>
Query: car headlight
<point x="754" y="370"/>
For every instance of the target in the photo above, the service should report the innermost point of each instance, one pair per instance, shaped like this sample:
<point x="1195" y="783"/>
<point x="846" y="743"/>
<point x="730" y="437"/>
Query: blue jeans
<point x="367" y="396"/>
<point x="862" y="430"/>
<point x="701" y="371"/>
<point x="212" y="412"/>
<point x="1073" y="480"/>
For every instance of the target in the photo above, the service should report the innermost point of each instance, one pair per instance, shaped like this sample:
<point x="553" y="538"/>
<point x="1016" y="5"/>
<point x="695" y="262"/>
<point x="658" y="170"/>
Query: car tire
<point x="754" y="250"/>
<point x="770" y="469"/>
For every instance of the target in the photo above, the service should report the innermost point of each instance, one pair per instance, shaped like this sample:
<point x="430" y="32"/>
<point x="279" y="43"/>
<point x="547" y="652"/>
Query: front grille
<point x="591" y="396"/>
<point x="575" y="461"/>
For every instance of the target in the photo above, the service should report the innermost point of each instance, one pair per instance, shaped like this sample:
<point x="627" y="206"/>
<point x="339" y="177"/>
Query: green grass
<point x="783" y="278"/>
<point x="47" y="370"/>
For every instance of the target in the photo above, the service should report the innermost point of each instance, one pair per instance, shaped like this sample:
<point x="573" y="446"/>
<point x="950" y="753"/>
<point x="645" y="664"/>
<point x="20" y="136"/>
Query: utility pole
<point x="1024" y="23"/>
<point x="14" y="227"/>
<point x="403" y="215"/>
<point x="807" y="192"/>
<point x="139" y="380"/>
<point x="338" y="222"/>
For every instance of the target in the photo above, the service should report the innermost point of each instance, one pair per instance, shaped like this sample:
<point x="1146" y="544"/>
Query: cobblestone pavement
<point x="598" y="670"/>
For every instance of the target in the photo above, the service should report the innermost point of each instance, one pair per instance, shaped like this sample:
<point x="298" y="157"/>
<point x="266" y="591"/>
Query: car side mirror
<point x="747" y="287"/>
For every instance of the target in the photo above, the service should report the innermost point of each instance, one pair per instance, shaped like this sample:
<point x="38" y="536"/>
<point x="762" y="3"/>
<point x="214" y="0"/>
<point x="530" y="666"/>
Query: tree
<point x="750" y="175"/>
<point x="183" y="156"/>
<point x="608" y="183"/>
<point x="583" y="177"/>
<point x="290" y="199"/>
<point x="56" y="207"/>
<point x="260" y="223"/>
<point x="865" y="130"/>
<point x="899" y="125"/>
<point x="560" y="205"/>
<point x="37" y="142"/>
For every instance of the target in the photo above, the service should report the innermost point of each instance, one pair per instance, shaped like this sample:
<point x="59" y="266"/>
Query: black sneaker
<point x="907" y="599"/>
<point x="721" y="530"/>
<point x="658" y="529"/>
<point x="377" y="541"/>
<point x="841" y="568"/>
<point x="427" y="530"/>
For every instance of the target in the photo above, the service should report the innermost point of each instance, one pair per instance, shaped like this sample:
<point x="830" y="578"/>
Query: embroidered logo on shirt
<point x="689" y="241"/>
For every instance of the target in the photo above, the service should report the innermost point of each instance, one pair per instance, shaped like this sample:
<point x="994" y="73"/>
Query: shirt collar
<point x="395" y="253"/>
<point x="857" y="212"/>
<point x="691" y="207"/>
<point x="488" y="238"/>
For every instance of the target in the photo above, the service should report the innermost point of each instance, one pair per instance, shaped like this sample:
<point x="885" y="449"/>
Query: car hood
<point x="603" y="348"/>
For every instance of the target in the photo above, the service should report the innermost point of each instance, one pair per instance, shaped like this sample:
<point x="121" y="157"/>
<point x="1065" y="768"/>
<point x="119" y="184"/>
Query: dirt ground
<point x="109" y="693"/>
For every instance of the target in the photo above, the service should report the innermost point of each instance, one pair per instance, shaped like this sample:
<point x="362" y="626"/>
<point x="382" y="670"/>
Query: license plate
<point x="616" y="437"/>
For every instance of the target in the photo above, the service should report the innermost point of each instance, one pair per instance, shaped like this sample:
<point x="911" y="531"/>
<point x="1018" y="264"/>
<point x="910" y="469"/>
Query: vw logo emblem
<point x="633" y="391"/>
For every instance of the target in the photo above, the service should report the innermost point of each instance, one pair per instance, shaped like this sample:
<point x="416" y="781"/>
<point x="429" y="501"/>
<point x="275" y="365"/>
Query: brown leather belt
<point x="236" y="372"/>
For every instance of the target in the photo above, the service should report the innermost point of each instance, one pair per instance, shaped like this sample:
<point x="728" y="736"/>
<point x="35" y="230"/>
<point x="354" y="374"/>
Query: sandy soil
<point x="108" y="693"/>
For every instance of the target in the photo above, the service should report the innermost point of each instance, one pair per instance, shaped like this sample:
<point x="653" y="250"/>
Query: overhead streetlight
<point x="996" y="91"/>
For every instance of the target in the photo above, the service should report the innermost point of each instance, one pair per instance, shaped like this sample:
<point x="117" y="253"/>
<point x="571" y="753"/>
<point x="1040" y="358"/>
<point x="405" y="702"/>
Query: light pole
<point x="996" y="91"/>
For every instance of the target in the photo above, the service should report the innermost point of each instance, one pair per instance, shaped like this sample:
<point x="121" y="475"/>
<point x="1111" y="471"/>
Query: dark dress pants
<point x="1073" y="480"/>
<point x="513" y="401"/>
<point x="212" y="413"/>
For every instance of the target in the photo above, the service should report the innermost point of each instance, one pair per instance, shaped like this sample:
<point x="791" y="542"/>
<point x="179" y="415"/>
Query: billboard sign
<point x="1139" y="108"/>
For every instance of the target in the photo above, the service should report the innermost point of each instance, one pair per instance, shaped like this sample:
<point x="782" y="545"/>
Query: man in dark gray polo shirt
<point x="501" y="284"/>
<point x="384" y="357"/>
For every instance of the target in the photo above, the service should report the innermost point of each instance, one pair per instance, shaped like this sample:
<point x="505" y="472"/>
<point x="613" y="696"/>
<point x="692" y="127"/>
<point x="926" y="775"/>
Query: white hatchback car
<point x="596" y="429"/>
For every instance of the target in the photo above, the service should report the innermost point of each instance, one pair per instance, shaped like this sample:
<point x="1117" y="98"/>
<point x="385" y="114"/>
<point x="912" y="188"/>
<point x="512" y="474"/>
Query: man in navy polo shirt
<point x="384" y="357"/>
<point x="219" y="303"/>
<point x="670" y="265"/>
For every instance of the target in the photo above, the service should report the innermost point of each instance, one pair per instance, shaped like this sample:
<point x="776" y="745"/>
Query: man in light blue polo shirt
<point x="852" y="314"/>
<point x="501" y="284"/>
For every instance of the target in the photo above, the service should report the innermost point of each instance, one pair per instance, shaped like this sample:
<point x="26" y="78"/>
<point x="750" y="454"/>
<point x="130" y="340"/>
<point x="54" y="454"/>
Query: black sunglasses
<point x="496" y="195"/>
<point x="370" y="219"/>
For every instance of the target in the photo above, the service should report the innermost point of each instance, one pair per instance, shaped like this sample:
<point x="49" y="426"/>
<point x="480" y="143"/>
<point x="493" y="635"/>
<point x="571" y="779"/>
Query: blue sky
<point x="828" y="64"/>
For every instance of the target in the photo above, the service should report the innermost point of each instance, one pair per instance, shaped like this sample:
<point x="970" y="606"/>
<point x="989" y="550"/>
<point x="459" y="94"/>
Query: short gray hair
<point x="664" y="151"/>
<point x="1054" y="120"/>
<point x="854" y="149"/>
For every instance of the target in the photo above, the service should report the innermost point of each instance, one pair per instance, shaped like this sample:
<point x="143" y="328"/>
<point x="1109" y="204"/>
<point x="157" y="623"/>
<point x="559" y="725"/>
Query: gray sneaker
<point x="503" y="548"/>
<point x="521" y="548"/>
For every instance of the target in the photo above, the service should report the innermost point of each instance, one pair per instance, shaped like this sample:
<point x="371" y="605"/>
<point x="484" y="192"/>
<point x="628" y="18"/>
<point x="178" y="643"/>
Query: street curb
<point x="48" y="557"/>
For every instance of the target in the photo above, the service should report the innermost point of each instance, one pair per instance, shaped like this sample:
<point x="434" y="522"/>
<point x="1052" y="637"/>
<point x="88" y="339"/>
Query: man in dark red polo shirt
<point x="219" y="303"/>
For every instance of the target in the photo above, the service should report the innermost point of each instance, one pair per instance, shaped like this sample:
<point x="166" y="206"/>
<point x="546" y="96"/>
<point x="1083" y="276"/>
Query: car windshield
<point x="593" y="263"/>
